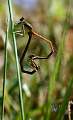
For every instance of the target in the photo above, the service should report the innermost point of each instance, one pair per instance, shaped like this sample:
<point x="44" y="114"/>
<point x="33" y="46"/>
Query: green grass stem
<point x="66" y="100"/>
<point x="5" y="71"/>
<point x="57" y="66"/>
<point x="16" y="58"/>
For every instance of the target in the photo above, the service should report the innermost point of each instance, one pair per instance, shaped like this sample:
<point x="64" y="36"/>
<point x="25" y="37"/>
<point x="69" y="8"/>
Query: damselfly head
<point x="22" y="19"/>
<point x="25" y="23"/>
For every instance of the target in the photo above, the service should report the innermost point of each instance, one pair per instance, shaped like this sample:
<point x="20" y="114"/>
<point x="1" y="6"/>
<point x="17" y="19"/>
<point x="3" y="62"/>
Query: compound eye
<point x="22" y="18"/>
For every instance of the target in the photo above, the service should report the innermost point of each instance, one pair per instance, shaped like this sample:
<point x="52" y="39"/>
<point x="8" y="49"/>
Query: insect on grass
<point x="26" y="26"/>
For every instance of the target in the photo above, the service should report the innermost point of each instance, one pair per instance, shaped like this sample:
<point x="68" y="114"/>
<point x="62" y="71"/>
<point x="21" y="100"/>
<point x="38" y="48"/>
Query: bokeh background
<point x="47" y="18"/>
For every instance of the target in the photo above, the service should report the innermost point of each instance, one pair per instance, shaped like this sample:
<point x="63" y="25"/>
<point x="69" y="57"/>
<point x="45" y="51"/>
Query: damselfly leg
<point x="27" y="27"/>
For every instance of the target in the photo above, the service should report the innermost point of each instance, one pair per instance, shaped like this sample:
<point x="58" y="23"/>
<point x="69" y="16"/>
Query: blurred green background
<point x="48" y="19"/>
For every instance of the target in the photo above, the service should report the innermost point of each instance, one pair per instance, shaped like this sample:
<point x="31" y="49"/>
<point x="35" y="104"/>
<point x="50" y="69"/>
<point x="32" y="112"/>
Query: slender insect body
<point x="25" y="26"/>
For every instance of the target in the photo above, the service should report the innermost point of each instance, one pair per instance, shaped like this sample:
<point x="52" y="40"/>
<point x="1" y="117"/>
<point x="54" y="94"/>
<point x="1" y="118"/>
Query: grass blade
<point x="55" y="74"/>
<point x="16" y="58"/>
<point x="54" y="77"/>
<point x="5" y="70"/>
<point x="65" y="102"/>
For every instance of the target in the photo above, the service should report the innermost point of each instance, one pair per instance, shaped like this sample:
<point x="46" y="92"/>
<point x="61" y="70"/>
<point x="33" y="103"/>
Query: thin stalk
<point x="56" y="70"/>
<point x="5" y="69"/>
<point x="16" y="58"/>
<point x="54" y="77"/>
<point x="66" y="99"/>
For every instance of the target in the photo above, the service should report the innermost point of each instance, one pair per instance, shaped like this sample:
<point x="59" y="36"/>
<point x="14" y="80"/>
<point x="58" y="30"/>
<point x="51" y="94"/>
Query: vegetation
<point x="46" y="94"/>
